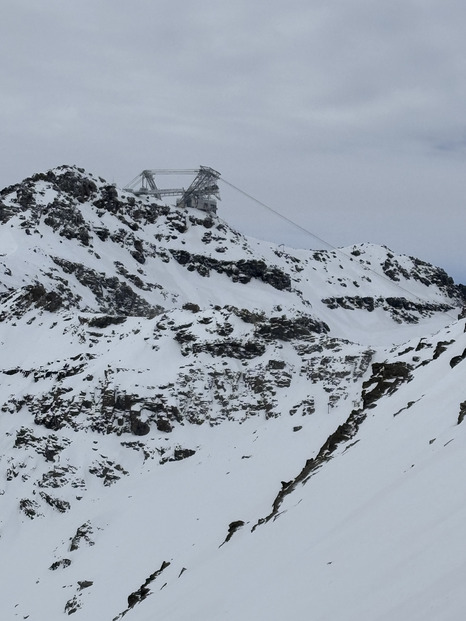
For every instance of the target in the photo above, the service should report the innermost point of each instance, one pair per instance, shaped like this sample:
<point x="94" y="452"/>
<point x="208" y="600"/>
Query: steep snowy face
<point x="166" y="382"/>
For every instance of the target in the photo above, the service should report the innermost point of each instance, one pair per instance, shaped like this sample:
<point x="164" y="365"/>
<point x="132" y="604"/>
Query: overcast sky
<point x="346" y="115"/>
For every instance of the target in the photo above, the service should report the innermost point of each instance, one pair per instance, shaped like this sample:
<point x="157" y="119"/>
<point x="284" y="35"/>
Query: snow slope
<point x="378" y="533"/>
<point x="198" y="425"/>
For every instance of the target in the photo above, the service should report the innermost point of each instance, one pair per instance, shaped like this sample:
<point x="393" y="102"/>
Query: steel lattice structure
<point x="201" y="194"/>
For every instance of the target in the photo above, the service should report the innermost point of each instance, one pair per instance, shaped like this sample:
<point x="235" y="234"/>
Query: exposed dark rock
<point x="194" y="308"/>
<point x="242" y="350"/>
<point x="50" y="421"/>
<point x="258" y="269"/>
<point x="307" y="407"/>
<point x="138" y="427"/>
<point x="457" y="359"/>
<point x="102" y="233"/>
<point x="29" y="507"/>
<point x="57" y="477"/>
<point x="285" y="329"/>
<point x="62" y="563"/>
<point x="462" y="413"/>
<point x="36" y="295"/>
<point x="140" y="594"/>
<point x="342" y="434"/>
<point x="51" y="409"/>
<point x="246" y="315"/>
<point x="182" y="453"/>
<point x="242" y="271"/>
<point x="72" y="605"/>
<point x="56" y="503"/>
<point x="164" y="425"/>
<point x="83" y="534"/>
<point x="232" y="528"/>
<point x="398" y="307"/>
<point x="11" y="371"/>
<point x="25" y="437"/>
<point x="135" y="279"/>
<point x="385" y="380"/>
<point x="114" y="296"/>
<point x="138" y="256"/>
<point x="351" y="302"/>
<point x="423" y="344"/>
<point x="107" y="470"/>
<point x="440" y="348"/>
<point x="70" y="180"/>
<point x="184" y="336"/>
<point x="140" y="446"/>
<point x="276" y="364"/>
<point x="407" y="407"/>
<point x="109" y="200"/>
<point x="423" y="272"/>
<point x="178" y="221"/>
<point x="104" y="321"/>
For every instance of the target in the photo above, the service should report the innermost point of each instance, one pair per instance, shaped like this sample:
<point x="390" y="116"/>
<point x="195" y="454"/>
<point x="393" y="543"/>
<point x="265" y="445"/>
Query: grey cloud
<point x="348" y="114"/>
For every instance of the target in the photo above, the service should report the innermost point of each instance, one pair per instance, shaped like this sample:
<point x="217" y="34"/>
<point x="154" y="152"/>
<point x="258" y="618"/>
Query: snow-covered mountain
<point x="200" y="425"/>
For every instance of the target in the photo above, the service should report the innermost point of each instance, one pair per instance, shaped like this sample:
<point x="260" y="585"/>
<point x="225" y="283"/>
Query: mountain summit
<point x="201" y="425"/>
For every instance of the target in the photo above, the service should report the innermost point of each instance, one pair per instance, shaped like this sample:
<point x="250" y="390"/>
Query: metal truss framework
<point x="200" y="194"/>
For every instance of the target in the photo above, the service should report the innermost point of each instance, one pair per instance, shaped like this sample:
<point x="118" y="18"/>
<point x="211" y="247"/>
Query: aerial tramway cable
<point x="320" y="239"/>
